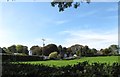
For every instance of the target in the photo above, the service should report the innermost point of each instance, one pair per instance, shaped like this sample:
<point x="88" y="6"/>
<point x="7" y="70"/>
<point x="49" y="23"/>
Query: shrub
<point x="21" y="58"/>
<point x="53" y="55"/>
<point x="83" y="69"/>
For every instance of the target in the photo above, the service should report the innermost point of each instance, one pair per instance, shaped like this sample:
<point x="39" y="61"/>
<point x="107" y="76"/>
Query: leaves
<point x="62" y="5"/>
<point x="79" y="70"/>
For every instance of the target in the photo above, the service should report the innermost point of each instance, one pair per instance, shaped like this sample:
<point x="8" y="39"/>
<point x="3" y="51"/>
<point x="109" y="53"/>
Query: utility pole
<point x="43" y="45"/>
<point x="43" y="42"/>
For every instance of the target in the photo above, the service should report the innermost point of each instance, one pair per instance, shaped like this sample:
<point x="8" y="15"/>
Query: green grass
<point x="106" y="59"/>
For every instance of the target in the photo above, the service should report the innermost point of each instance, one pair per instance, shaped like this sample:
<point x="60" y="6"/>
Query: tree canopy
<point x="49" y="48"/>
<point x="63" y="4"/>
<point x="76" y="49"/>
<point x="36" y="50"/>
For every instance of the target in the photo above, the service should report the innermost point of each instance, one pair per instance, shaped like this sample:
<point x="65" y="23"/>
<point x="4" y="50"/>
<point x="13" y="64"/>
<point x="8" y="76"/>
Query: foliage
<point x="83" y="69"/>
<point x="16" y="49"/>
<point x="105" y="51"/>
<point x="114" y="49"/>
<point x="20" y="57"/>
<point x="49" y="48"/>
<point x="78" y="53"/>
<point x="93" y="51"/>
<point x="60" y="48"/>
<point x="63" y="4"/>
<point x="61" y="52"/>
<point x="80" y="50"/>
<point x="36" y="50"/>
<point x="2" y="50"/>
<point x="22" y="49"/>
<point x="12" y="49"/>
<point x="69" y="51"/>
<point x="53" y="55"/>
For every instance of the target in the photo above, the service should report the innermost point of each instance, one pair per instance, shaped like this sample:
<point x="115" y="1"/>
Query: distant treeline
<point x="62" y="52"/>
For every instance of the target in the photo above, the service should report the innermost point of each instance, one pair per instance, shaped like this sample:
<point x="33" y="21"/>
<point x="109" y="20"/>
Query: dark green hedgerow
<point x="79" y="70"/>
<point x="21" y="58"/>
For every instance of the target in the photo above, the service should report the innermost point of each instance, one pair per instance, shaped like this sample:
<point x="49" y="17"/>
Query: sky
<point x="26" y="23"/>
<point x="59" y="0"/>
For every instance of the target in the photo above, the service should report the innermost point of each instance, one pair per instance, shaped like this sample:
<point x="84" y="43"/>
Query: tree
<point x="64" y="49"/>
<point x="25" y="50"/>
<point x="63" y="4"/>
<point x="76" y="49"/>
<point x="12" y="49"/>
<point x="53" y="55"/>
<point x="93" y="51"/>
<point x="1" y="50"/>
<point x="5" y="49"/>
<point x="61" y="53"/>
<point x="114" y="49"/>
<point x="78" y="53"/>
<point x="85" y="50"/>
<point x="19" y="48"/>
<point x="22" y="49"/>
<point x="111" y="50"/>
<point x="69" y="51"/>
<point x="49" y="48"/>
<point x="36" y="50"/>
<point x="60" y="48"/>
<point x="105" y="51"/>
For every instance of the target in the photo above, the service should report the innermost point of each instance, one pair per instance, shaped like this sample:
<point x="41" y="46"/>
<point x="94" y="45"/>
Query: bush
<point x="83" y="69"/>
<point x="21" y="58"/>
<point x="53" y="55"/>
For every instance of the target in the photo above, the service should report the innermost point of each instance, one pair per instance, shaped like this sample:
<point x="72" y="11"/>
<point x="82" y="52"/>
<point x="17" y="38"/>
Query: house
<point x="30" y="52"/>
<point x="46" y="57"/>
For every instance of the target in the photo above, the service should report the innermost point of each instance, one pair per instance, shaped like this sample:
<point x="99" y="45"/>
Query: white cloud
<point x="93" y="39"/>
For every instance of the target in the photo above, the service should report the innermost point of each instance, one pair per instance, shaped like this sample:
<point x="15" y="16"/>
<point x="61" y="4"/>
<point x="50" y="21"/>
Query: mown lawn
<point x="105" y="59"/>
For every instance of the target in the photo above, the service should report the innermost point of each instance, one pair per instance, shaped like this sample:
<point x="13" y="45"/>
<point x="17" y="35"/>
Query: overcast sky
<point x="94" y="24"/>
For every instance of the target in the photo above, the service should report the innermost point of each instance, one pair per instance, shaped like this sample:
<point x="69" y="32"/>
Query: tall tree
<point x="12" y="49"/>
<point x="36" y="50"/>
<point x="69" y="51"/>
<point x="85" y="50"/>
<point x="19" y="48"/>
<point x="22" y="49"/>
<point x="2" y="51"/>
<point x="105" y="51"/>
<point x="60" y="48"/>
<point x="114" y="49"/>
<point x="93" y="51"/>
<point x="49" y="48"/>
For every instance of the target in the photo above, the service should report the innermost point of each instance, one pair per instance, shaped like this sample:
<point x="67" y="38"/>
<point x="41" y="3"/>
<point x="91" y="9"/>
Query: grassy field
<point x="106" y="59"/>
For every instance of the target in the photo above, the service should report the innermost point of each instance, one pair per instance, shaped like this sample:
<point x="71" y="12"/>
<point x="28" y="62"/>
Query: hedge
<point x="83" y="69"/>
<point x="20" y="58"/>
